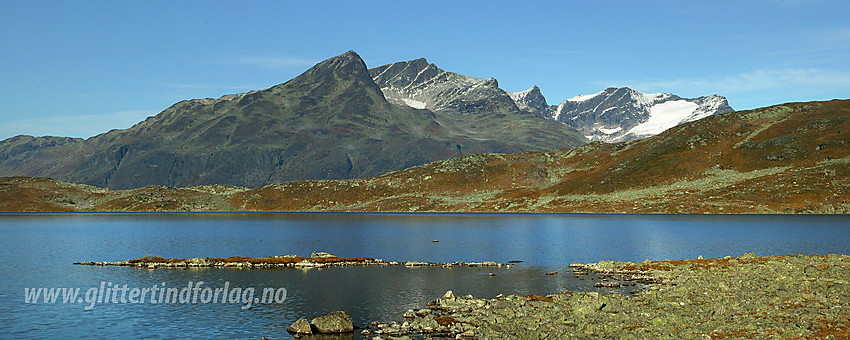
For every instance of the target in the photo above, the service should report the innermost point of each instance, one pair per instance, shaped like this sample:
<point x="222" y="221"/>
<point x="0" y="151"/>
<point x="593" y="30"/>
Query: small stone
<point x="300" y="326"/>
<point x="435" y="241"/>
<point x="551" y="273"/>
<point x="491" y="274"/>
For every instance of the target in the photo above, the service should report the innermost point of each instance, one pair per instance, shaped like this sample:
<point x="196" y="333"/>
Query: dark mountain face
<point x="331" y="122"/>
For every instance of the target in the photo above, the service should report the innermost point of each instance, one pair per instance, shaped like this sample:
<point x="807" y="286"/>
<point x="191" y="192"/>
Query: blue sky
<point x="78" y="68"/>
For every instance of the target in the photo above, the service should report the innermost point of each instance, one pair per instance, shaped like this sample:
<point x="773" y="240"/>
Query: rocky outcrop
<point x="319" y="260"/>
<point x="795" y="296"/>
<point x="321" y="254"/>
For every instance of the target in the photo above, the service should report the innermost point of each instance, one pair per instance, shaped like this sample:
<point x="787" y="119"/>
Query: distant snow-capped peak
<point x="611" y="115"/>
<point x="617" y="114"/>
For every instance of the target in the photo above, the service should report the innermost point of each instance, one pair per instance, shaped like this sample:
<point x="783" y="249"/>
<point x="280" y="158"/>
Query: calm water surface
<point x="37" y="251"/>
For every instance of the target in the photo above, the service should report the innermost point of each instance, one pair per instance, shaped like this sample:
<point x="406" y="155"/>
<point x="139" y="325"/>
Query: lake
<point x="38" y="251"/>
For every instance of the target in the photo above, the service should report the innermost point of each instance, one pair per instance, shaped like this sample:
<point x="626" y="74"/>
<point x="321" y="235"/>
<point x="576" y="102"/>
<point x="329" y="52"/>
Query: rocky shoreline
<point x="788" y="296"/>
<point x="316" y="260"/>
<point x="793" y="296"/>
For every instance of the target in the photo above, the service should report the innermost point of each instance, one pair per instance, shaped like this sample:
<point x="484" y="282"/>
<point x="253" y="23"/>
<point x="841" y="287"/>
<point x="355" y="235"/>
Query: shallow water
<point x="37" y="251"/>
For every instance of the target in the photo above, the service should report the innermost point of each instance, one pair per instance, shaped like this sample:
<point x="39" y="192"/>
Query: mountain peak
<point x="532" y="100"/>
<point x="346" y="60"/>
<point x="346" y="68"/>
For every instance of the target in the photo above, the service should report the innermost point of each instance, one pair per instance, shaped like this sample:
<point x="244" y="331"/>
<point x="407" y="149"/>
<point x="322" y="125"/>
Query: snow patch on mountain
<point x="609" y="131"/>
<point x="584" y="97"/>
<point x="664" y="116"/>
<point x="413" y="103"/>
<point x="558" y="111"/>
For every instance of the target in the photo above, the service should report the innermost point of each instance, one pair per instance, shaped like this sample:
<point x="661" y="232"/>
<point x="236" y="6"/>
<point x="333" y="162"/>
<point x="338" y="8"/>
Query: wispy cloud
<point x="266" y="62"/>
<point x="82" y="126"/>
<point x="742" y="82"/>
<point x="837" y="38"/>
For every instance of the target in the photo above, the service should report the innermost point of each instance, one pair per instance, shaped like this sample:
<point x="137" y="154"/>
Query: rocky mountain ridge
<point x="331" y="122"/>
<point x="419" y="84"/>
<point x="614" y="114"/>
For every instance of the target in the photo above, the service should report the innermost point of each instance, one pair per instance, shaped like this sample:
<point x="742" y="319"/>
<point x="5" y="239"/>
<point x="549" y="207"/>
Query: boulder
<point x="336" y="322"/>
<point x="307" y="264"/>
<point x="301" y="326"/>
<point x="199" y="261"/>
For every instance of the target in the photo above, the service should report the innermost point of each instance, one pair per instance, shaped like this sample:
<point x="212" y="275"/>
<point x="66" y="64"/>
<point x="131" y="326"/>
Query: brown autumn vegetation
<point x="720" y="263"/>
<point x="533" y="297"/>
<point x="789" y="158"/>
